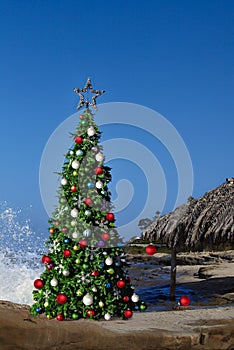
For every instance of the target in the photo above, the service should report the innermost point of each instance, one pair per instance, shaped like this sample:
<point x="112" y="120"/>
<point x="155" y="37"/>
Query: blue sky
<point x="175" y="57"/>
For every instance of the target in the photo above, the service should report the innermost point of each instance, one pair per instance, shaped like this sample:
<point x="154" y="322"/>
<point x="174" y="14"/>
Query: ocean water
<point x="20" y="255"/>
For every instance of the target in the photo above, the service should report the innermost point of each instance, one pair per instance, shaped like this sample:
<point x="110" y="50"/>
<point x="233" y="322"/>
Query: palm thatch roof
<point x="207" y="221"/>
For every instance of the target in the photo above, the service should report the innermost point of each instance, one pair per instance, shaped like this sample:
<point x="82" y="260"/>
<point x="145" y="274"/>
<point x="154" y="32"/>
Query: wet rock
<point x="191" y="259"/>
<point x="205" y="272"/>
<point x="226" y="298"/>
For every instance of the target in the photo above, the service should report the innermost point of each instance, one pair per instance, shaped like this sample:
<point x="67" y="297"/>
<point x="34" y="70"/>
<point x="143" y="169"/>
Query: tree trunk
<point x="173" y="274"/>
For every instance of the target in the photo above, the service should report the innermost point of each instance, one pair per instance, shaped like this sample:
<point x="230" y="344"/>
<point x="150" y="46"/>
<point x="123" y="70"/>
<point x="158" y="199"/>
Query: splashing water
<point x="20" y="255"/>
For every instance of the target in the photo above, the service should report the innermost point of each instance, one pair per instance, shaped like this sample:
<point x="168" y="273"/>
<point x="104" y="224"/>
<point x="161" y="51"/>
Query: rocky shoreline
<point x="209" y="276"/>
<point x="185" y="329"/>
<point x="201" y="326"/>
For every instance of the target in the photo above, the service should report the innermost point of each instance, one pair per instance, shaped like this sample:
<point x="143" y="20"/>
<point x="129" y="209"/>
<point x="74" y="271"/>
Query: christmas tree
<point x="85" y="273"/>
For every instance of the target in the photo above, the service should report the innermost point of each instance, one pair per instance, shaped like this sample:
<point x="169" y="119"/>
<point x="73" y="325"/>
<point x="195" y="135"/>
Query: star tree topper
<point x="88" y="87"/>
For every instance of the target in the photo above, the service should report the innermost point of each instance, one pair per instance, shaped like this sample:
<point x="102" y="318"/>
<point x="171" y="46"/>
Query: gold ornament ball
<point x="76" y="248"/>
<point x="101" y="304"/>
<point x="79" y="293"/>
<point x="46" y="304"/>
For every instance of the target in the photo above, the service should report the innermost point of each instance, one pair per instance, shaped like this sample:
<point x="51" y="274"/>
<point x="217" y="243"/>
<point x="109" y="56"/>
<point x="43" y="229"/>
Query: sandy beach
<point x="205" y="325"/>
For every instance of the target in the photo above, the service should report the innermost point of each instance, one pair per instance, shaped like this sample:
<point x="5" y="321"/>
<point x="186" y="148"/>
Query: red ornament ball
<point x="105" y="236"/>
<point x="38" y="283"/>
<point x="64" y="230"/>
<point x="87" y="201"/>
<point x="73" y="188"/>
<point x="95" y="273"/>
<point x="57" y="223"/>
<point x="78" y="140"/>
<point x="126" y="299"/>
<point x="110" y="216"/>
<point x="83" y="243"/>
<point x="184" y="301"/>
<point x="90" y="313"/>
<point x="45" y="259"/>
<point x="51" y="230"/>
<point x="66" y="253"/>
<point x="98" y="170"/>
<point x="60" y="317"/>
<point x="150" y="249"/>
<point x="61" y="299"/>
<point x="82" y="116"/>
<point x="120" y="284"/>
<point x="128" y="313"/>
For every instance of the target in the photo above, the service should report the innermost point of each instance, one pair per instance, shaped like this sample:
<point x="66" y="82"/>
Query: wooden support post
<point x="173" y="274"/>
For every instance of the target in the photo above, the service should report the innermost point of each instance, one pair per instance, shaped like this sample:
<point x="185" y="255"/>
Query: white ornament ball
<point x="87" y="212"/>
<point x="79" y="152"/>
<point x="99" y="157"/>
<point x="107" y="316"/>
<point x="94" y="149"/>
<point x="75" y="164"/>
<point x="75" y="235"/>
<point x="94" y="289"/>
<point x="99" y="184"/>
<point x="66" y="273"/>
<point x="74" y="213"/>
<point x="71" y="153"/>
<point x="109" y="261"/>
<point x="64" y="182"/>
<point x="135" y="298"/>
<point x="91" y="131"/>
<point x="54" y="282"/>
<point x="87" y="299"/>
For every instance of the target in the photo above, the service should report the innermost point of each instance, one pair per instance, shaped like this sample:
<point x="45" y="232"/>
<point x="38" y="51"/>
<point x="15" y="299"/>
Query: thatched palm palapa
<point x="205" y="222"/>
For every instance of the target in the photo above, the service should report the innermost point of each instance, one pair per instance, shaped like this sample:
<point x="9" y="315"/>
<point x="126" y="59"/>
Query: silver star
<point x="87" y="103"/>
<point x="82" y="277"/>
<point x="55" y="247"/>
<point x="59" y="267"/>
<point x="46" y="294"/>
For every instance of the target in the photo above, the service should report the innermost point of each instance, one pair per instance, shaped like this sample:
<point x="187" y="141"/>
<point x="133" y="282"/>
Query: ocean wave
<point x="21" y="249"/>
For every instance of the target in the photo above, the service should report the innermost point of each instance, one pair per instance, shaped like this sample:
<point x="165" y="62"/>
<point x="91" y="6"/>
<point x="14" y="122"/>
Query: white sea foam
<point x="20" y="256"/>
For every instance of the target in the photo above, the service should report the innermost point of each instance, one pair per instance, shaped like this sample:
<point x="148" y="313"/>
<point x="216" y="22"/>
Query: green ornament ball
<point x="79" y="293"/>
<point x="85" y="266"/>
<point x="111" y="271"/>
<point x="142" y="307"/>
<point x="84" y="122"/>
<point x="75" y="316"/>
